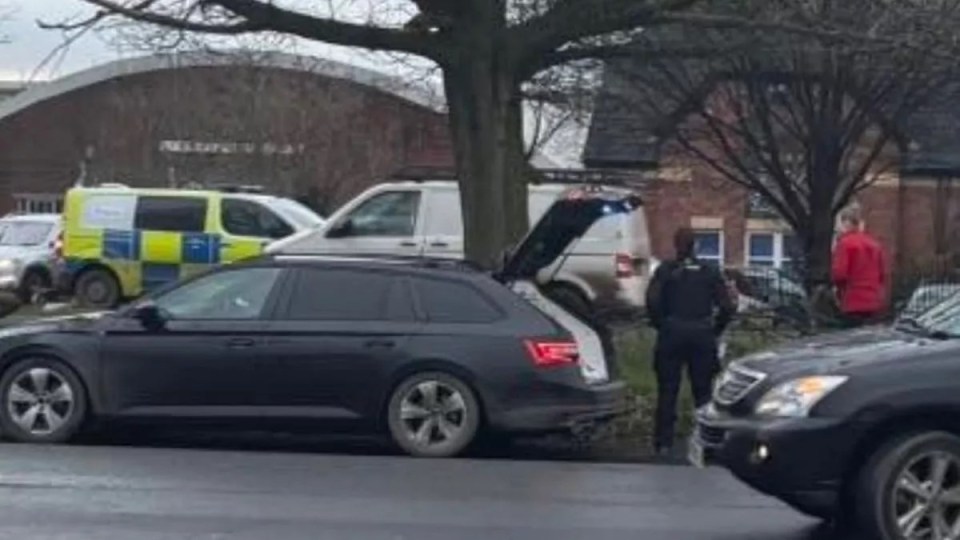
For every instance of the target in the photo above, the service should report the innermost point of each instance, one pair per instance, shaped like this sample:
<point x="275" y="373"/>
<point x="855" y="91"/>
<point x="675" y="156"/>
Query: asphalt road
<point x="134" y="493"/>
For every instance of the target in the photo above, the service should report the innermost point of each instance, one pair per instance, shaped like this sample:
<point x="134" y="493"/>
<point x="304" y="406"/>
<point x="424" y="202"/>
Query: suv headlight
<point x="796" y="398"/>
<point x="9" y="266"/>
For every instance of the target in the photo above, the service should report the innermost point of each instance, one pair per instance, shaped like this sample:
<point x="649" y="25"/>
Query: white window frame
<point x="38" y="203"/>
<point x="721" y="243"/>
<point x="780" y="256"/>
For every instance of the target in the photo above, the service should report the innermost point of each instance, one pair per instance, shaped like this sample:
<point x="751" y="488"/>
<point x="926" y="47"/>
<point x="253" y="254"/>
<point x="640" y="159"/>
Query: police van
<point x="120" y="241"/>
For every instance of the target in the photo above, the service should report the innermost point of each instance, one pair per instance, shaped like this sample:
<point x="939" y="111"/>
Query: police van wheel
<point x="97" y="288"/>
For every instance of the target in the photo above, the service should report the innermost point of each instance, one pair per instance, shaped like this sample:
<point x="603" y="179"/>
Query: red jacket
<point x="859" y="272"/>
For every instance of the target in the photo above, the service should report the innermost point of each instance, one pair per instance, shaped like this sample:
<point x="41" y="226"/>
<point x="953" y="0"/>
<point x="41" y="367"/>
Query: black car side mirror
<point x="341" y="230"/>
<point x="150" y="316"/>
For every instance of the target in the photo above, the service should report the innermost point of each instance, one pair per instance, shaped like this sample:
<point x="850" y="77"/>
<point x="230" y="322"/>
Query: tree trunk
<point x="819" y="249"/>
<point x="486" y="125"/>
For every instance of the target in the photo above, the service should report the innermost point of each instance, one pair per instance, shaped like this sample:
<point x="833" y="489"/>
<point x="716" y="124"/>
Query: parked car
<point x="121" y="241"/>
<point x="860" y="423"/>
<point x="769" y="289"/>
<point x="925" y="297"/>
<point x="28" y="253"/>
<point x="431" y="352"/>
<point x="608" y="268"/>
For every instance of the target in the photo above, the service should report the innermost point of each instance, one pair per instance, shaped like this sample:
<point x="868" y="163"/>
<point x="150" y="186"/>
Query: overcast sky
<point x="32" y="53"/>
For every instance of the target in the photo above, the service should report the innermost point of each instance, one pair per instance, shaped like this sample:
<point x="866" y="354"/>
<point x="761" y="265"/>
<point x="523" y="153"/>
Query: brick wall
<point x="346" y="135"/>
<point x="902" y="214"/>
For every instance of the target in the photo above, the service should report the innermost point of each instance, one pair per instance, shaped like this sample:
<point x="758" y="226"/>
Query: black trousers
<point x="678" y="349"/>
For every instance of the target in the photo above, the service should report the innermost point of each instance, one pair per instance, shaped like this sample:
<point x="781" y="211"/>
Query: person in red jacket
<point x="859" y="270"/>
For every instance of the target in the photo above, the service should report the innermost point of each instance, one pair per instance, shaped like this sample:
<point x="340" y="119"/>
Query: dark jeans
<point x="697" y="352"/>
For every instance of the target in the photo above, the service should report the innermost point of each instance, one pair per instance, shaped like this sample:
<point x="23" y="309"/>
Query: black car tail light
<point x="553" y="353"/>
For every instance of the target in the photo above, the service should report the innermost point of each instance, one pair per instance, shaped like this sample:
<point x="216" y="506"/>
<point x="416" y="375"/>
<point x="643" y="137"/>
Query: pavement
<point x="213" y="491"/>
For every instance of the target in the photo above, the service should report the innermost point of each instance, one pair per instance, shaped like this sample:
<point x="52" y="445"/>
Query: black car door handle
<point x="240" y="343"/>
<point x="439" y="244"/>
<point x="408" y="244"/>
<point x="379" y="344"/>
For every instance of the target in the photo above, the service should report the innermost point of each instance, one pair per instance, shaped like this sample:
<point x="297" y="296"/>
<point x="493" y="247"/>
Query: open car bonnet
<point x="564" y="222"/>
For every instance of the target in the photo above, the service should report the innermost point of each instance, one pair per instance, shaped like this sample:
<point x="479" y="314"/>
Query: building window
<point x="709" y="247"/>
<point x="771" y="249"/>
<point x="38" y="203"/>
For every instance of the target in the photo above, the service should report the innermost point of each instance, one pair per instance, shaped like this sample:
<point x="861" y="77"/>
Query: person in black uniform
<point x="689" y="305"/>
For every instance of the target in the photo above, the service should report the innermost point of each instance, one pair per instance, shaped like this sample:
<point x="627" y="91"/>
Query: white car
<point x="28" y="253"/>
<point x="925" y="297"/>
<point x="608" y="267"/>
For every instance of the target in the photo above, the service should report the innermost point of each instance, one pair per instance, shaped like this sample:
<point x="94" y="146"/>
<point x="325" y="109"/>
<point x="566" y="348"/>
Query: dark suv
<point x="431" y="352"/>
<point x="861" y="424"/>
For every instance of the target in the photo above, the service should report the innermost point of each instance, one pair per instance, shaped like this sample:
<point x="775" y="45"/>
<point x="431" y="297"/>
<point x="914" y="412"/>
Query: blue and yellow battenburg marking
<point x="171" y="256"/>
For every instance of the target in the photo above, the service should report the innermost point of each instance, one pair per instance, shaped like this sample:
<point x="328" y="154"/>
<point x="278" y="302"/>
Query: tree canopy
<point x="487" y="50"/>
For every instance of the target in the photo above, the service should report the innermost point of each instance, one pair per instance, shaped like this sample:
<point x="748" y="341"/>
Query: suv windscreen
<point x="241" y="217"/>
<point x="24" y="233"/>
<point x="942" y="319"/>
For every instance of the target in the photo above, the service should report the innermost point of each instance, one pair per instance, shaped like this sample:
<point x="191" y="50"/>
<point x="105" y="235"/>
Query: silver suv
<point x="28" y="253"/>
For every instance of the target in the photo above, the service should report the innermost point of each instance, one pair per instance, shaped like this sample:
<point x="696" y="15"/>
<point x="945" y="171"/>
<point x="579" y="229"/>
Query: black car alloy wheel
<point x="911" y="489"/>
<point x="43" y="401"/>
<point x="433" y="415"/>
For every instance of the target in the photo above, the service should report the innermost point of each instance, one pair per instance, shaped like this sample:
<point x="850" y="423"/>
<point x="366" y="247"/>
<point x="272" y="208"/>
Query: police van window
<point x="173" y="214"/>
<point x="241" y="217"/>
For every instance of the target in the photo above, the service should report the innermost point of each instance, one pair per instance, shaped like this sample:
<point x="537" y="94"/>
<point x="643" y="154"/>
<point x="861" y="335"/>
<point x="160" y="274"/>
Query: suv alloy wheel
<point x="910" y="488"/>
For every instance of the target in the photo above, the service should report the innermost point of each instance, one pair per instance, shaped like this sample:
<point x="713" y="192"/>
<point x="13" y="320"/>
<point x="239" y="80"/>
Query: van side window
<point x="173" y="214"/>
<point x="248" y="218"/>
<point x="393" y="213"/>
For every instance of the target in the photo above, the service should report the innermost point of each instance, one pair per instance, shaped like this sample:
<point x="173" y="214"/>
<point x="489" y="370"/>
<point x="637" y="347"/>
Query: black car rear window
<point x="349" y="295"/>
<point x="454" y="302"/>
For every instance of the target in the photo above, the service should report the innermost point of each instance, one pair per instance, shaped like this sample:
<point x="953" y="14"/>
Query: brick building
<point x="302" y="126"/>
<point x="914" y="210"/>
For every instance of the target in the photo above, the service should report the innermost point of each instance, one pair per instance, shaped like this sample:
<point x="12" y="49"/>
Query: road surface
<point x="141" y="493"/>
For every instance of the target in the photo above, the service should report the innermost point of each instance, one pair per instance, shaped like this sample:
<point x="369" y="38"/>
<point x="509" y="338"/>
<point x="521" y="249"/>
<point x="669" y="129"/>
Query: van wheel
<point x="433" y="415"/>
<point x="911" y="488"/>
<point x="97" y="289"/>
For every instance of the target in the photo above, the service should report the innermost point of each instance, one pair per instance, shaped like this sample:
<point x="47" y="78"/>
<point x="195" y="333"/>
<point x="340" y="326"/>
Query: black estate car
<point x="430" y="352"/>
<point x="862" y="424"/>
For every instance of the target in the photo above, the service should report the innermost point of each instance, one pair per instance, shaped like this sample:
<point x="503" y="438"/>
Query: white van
<point x="608" y="267"/>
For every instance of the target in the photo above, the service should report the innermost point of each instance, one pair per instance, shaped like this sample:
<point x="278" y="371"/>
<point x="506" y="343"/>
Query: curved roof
<point x="146" y="64"/>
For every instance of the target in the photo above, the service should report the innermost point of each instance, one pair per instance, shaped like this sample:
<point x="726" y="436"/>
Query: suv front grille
<point x="735" y="383"/>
